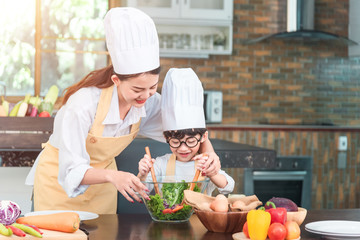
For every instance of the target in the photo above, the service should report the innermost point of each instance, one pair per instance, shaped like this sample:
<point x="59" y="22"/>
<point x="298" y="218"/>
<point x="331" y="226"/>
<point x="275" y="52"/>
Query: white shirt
<point x="73" y="122"/>
<point x="188" y="168"/>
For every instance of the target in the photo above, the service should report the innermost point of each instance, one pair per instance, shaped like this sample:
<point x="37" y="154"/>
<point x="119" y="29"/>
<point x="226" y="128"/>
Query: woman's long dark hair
<point x="100" y="78"/>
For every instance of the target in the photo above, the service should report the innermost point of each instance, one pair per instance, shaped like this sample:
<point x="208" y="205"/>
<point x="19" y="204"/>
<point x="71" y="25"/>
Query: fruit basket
<point x="167" y="205"/>
<point x="228" y="222"/>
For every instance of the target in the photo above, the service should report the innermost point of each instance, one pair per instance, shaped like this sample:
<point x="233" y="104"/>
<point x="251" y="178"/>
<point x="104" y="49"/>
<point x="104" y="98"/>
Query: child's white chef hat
<point x="132" y="40"/>
<point x="182" y="99"/>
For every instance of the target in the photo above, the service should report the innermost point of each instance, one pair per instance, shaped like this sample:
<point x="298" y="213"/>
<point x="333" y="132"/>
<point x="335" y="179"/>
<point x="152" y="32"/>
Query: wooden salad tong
<point x="156" y="186"/>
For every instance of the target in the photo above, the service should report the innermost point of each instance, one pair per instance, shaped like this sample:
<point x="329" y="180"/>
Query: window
<point x="17" y="51"/>
<point x="46" y="42"/>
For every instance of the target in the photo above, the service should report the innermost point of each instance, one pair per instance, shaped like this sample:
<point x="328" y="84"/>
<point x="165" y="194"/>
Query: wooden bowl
<point x="229" y="222"/>
<point x="298" y="216"/>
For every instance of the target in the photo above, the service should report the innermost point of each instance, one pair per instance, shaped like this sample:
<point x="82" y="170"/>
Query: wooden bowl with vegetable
<point x="166" y="197"/>
<point x="226" y="222"/>
<point x="216" y="213"/>
<point x="294" y="213"/>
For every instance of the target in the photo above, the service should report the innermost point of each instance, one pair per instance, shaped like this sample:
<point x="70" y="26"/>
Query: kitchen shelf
<point x="190" y="29"/>
<point x="193" y="39"/>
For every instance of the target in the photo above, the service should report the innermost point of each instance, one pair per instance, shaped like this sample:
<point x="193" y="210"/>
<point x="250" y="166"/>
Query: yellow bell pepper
<point x="258" y="224"/>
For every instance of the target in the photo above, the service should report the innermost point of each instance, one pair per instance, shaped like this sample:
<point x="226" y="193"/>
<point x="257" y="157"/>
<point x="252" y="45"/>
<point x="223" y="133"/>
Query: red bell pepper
<point x="278" y="215"/>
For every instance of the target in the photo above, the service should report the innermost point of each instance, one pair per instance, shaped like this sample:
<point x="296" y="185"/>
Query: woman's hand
<point x="145" y="165"/>
<point x="128" y="184"/>
<point x="209" y="163"/>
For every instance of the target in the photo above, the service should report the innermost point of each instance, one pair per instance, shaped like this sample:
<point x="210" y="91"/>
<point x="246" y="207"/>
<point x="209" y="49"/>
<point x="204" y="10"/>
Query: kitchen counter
<point x="141" y="226"/>
<point x="238" y="155"/>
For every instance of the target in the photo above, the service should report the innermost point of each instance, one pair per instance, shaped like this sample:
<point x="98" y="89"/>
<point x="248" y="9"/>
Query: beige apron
<point x="98" y="198"/>
<point x="171" y="165"/>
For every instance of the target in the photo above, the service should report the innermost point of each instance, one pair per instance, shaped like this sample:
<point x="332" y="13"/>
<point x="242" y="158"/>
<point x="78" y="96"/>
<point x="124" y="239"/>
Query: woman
<point x="100" y="116"/>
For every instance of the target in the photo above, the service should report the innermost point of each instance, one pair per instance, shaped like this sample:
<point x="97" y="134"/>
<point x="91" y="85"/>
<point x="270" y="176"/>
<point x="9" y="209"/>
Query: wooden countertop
<point x="141" y="226"/>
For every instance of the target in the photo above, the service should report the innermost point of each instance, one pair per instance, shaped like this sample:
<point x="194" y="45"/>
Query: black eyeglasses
<point x="190" y="142"/>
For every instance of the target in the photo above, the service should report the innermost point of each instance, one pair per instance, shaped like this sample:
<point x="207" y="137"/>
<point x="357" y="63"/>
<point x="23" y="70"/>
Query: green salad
<point x="169" y="206"/>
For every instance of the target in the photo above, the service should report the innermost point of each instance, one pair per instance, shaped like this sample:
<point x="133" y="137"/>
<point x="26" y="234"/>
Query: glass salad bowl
<point x="167" y="205"/>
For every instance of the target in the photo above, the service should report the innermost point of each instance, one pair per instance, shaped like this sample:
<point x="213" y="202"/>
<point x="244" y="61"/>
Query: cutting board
<point x="241" y="236"/>
<point x="51" y="235"/>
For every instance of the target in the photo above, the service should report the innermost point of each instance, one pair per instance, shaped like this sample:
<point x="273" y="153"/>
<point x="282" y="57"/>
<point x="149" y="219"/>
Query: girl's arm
<point x="219" y="180"/>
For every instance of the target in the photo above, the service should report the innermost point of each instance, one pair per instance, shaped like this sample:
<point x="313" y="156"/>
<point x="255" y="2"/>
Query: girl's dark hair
<point x="101" y="78"/>
<point x="179" y="134"/>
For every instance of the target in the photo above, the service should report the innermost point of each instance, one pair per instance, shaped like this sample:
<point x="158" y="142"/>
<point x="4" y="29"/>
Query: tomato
<point x="44" y="114"/>
<point x="246" y="230"/>
<point x="277" y="231"/>
<point x="293" y="230"/>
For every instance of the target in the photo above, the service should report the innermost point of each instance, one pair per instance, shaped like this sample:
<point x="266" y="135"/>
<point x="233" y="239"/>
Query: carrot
<point x="177" y="208"/>
<point x="63" y="222"/>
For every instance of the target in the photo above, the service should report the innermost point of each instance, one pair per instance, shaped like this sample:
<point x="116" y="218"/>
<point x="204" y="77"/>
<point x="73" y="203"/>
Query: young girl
<point x="184" y="130"/>
<point x="99" y="118"/>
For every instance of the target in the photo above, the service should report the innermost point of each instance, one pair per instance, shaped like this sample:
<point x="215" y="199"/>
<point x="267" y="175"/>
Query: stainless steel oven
<point x="290" y="178"/>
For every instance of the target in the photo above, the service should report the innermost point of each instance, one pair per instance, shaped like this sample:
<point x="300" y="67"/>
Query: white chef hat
<point x="131" y="40"/>
<point x="182" y="98"/>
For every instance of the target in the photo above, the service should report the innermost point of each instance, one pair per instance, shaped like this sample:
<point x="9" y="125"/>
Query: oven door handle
<point x="279" y="175"/>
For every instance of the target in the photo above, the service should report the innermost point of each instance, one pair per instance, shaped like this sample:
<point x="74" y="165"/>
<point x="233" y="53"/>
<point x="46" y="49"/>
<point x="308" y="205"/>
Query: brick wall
<point x="331" y="187"/>
<point x="283" y="81"/>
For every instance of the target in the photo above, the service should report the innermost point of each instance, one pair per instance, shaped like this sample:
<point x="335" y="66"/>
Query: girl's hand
<point x="128" y="184"/>
<point x="209" y="163"/>
<point x="145" y="165"/>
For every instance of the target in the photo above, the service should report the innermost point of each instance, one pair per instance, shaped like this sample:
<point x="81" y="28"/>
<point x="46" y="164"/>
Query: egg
<point x="220" y="204"/>
<point x="221" y="197"/>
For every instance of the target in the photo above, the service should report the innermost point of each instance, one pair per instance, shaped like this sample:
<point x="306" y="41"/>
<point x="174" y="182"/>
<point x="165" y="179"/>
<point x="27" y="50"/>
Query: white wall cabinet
<point x="189" y="9"/>
<point x="190" y="28"/>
